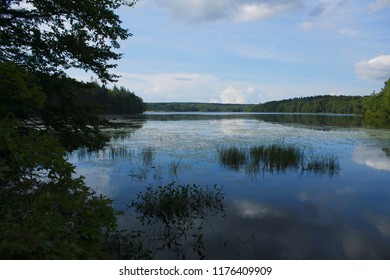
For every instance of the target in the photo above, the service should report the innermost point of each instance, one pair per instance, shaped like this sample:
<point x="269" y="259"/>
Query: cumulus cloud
<point x="232" y="95"/>
<point x="377" y="68"/>
<point x="246" y="10"/>
<point x="237" y="95"/>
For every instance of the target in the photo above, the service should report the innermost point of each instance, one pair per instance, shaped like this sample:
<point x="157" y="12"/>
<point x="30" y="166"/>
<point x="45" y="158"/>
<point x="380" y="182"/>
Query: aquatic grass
<point x="113" y="152"/>
<point x="121" y="152"/>
<point x="147" y="155"/>
<point x="232" y="157"/>
<point x="173" y="167"/>
<point x="276" y="158"/>
<point x="323" y="165"/>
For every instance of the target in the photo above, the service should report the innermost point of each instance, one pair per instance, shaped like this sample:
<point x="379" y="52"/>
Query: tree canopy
<point x="315" y="104"/>
<point x="53" y="35"/>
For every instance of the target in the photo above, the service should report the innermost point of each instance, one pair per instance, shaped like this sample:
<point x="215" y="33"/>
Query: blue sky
<point x="253" y="51"/>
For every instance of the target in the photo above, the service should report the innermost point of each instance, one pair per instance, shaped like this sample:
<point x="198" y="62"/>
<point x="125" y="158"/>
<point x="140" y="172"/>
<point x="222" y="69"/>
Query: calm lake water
<point x="252" y="212"/>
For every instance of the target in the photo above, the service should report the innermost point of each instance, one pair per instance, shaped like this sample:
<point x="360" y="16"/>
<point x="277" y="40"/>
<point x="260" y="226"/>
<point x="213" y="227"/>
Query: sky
<point x="253" y="51"/>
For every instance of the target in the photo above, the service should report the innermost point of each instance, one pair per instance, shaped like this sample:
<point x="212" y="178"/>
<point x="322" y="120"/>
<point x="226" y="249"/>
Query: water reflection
<point x="373" y="157"/>
<point x="175" y="215"/>
<point x="319" y="121"/>
<point x="280" y="216"/>
<point x="269" y="231"/>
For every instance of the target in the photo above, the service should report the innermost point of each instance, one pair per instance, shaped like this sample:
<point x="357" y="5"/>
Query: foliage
<point x="49" y="36"/>
<point x="315" y="104"/>
<point x="45" y="211"/>
<point x="378" y="108"/>
<point x="118" y="101"/>
<point x="180" y="210"/>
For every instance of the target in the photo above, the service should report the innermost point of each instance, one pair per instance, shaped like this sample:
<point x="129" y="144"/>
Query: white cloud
<point x="232" y="95"/>
<point x="377" y="68"/>
<point x="258" y="11"/>
<point x="188" y="87"/>
<point x="196" y="11"/>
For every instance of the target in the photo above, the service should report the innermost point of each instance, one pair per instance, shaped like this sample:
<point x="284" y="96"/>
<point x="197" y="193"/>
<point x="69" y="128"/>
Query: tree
<point x="52" y="35"/>
<point x="45" y="211"/>
<point x="378" y="107"/>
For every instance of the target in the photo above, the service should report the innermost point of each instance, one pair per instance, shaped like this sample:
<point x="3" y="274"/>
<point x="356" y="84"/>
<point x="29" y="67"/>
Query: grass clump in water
<point x="323" y="165"/>
<point x="147" y="155"/>
<point x="232" y="157"/>
<point x="276" y="158"/>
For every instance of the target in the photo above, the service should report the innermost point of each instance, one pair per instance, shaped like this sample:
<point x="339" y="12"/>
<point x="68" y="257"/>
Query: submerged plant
<point x="180" y="210"/>
<point x="173" y="167"/>
<point x="147" y="154"/>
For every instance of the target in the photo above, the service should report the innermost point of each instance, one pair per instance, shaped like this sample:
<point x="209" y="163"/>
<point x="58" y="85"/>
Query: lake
<point x="192" y="186"/>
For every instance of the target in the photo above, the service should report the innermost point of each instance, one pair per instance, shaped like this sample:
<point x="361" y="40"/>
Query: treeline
<point x="196" y="107"/>
<point x="315" y="104"/>
<point x="110" y="101"/>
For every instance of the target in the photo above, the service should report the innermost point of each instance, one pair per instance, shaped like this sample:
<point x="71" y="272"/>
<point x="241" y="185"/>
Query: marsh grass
<point x="276" y="158"/>
<point x="119" y="152"/>
<point x="232" y="157"/>
<point x="147" y="155"/>
<point x="174" y="166"/>
<point x="112" y="152"/>
<point x="323" y="165"/>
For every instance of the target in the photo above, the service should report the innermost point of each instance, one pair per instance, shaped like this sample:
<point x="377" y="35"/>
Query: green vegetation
<point x="315" y="104"/>
<point x="196" y="107"/>
<point x="179" y="212"/>
<point x="45" y="211"/>
<point x="80" y="34"/>
<point x="116" y="101"/>
<point x="378" y="108"/>
<point x="148" y="154"/>
<point x="276" y="158"/>
<point x="232" y="157"/>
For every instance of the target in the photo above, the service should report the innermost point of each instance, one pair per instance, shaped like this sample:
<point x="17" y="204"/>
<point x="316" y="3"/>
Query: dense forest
<point x="315" y="104"/>
<point x="196" y="107"/>
<point x="109" y="101"/>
